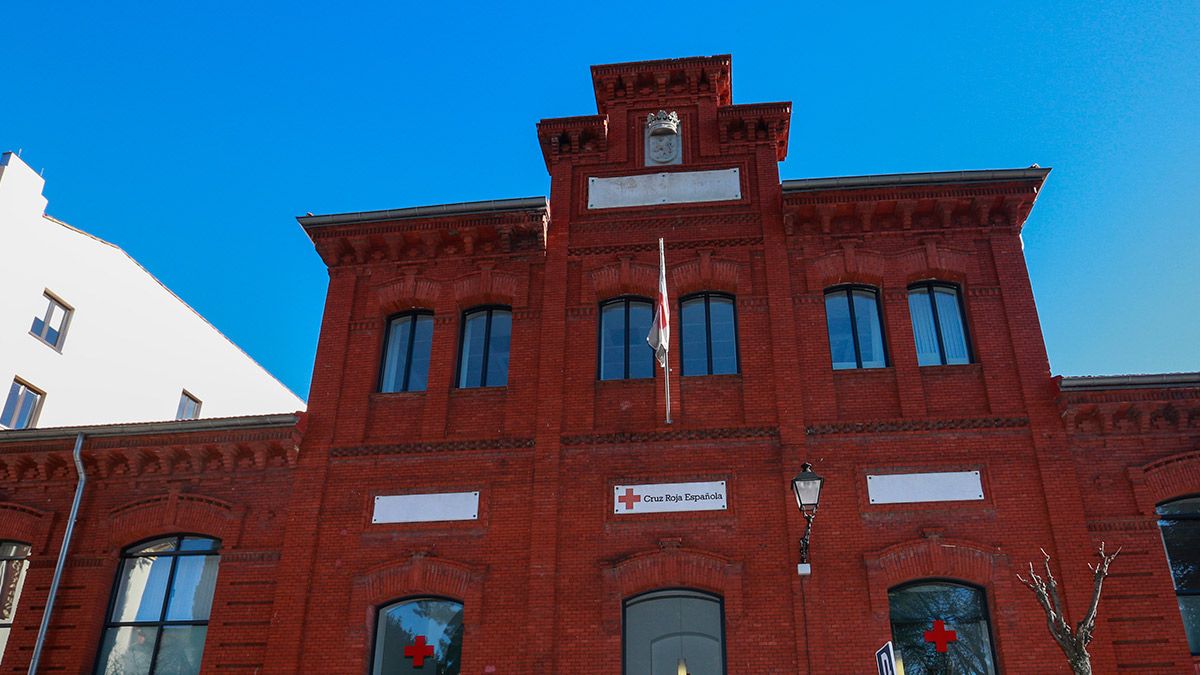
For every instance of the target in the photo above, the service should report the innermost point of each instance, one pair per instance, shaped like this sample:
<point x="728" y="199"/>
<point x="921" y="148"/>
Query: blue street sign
<point x="885" y="659"/>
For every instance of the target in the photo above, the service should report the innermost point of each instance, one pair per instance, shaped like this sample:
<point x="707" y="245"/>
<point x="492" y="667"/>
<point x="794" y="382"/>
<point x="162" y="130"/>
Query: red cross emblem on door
<point x="418" y="651"/>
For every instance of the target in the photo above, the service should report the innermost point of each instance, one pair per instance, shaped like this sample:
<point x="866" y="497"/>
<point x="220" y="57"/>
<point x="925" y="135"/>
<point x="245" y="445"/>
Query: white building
<point x="88" y="336"/>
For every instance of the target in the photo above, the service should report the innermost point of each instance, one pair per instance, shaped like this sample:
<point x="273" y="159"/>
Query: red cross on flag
<point x="660" y="331"/>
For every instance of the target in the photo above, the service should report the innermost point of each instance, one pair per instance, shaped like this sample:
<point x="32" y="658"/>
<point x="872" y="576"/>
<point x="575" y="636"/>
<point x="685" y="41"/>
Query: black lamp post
<point x="807" y="486"/>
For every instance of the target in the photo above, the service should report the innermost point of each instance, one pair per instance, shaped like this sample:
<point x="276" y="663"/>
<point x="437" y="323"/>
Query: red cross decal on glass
<point x="940" y="637"/>
<point x="629" y="499"/>
<point x="418" y="651"/>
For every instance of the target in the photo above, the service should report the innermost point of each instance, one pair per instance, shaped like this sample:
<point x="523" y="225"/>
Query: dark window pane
<point x="471" y="363"/>
<point x="724" y="336"/>
<point x="501" y="341"/>
<point x="192" y="589"/>
<point x="641" y="357"/>
<point x="127" y="650"/>
<point x="924" y="331"/>
<point x="418" y="367"/>
<point x="612" y="341"/>
<point x="666" y="628"/>
<point x="694" y="325"/>
<point x="395" y="359"/>
<point x="1181" y="507"/>
<point x="27" y="408"/>
<point x="141" y="588"/>
<point x="841" y="340"/>
<point x="914" y="610"/>
<point x="954" y="337"/>
<point x="39" y="326"/>
<point x="180" y="650"/>
<point x="1189" y="607"/>
<point x="11" y="549"/>
<point x="435" y="623"/>
<point x="1182" y="538"/>
<point x="870" y="333"/>
<point x="198" y="544"/>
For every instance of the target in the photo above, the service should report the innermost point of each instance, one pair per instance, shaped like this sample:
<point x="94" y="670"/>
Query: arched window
<point x="624" y="352"/>
<point x="855" y="327"/>
<point x="422" y="636"/>
<point x="674" y="631"/>
<point x="939" y="324"/>
<point x="158" y="615"/>
<point x="709" y="341"/>
<point x="406" y="352"/>
<point x="483" y="350"/>
<point x="961" y="609"/>
<point x="14" y="560"/>
<point x="1180" y="524"/>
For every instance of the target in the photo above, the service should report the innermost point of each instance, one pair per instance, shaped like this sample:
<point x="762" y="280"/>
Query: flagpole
<point x="662" y="266"/>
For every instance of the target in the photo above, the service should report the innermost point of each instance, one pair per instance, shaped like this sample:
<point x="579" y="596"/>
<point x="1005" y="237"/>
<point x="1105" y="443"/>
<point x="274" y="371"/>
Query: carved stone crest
<point x="662" y="139"/>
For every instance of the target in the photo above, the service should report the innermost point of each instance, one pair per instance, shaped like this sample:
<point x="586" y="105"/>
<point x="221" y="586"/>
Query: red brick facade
<point x="543" y="572"/>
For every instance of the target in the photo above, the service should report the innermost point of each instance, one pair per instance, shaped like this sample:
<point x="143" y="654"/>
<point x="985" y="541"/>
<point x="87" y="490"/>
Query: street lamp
<point x="807" y="486"/>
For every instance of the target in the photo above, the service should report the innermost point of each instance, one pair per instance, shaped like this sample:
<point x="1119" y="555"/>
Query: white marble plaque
<point x="426" y="508"/>
<point x="666" y="497"/>
<point x="909" y="488"/>
<point x="676" y="187"/>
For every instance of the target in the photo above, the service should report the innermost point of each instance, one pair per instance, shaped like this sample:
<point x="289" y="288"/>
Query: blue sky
<point x="192" y="134"/>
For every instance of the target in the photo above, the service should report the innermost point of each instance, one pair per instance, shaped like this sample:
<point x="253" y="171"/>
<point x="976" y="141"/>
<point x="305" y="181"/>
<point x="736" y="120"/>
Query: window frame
<point x="378" y="610"/>
<point x="68" y="312"/>
<point x="4" y="559"/>
<point x="487" y="345"/>
<point x="387" y="334"/>
<point x="928" y="286"/>
<point x="1167" y="554"/>
<point x="633" y="599"/>
<point x="167" y="589"/>
<point x="37" y="408"/>
<point x="185" y="394"/>
<point x="986" y="605"/>
<point x="737" y="355"/>
<point x="626" y="300"/>
<point x="848" y="291"/>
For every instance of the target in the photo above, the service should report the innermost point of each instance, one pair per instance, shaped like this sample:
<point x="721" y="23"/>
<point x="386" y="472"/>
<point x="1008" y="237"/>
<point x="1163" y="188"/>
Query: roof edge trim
<point x="906" y="179"/>
<point x="431" y="211"/>
<point x="1150" y="381"/>
<point x="277" y="420"/>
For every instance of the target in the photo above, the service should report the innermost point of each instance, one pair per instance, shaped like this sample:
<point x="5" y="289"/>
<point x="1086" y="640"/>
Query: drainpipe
<point x="62" y="556"/>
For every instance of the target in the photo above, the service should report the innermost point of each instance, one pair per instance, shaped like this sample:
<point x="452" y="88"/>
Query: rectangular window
<point x="51" y="326"/>
<point x="406" y="353"/>
<point x="22" y="406"/>
<point x="939" y="327"/>
<point x="189" y="407"/>
<point x="855" y="328"/>
<point x="483" y="350"/>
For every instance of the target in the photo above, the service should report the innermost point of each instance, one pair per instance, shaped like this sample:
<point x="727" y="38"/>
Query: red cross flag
<point x="660" y="331"/>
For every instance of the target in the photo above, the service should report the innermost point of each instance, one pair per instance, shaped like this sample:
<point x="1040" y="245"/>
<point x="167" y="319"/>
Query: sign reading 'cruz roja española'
<point x="666" y="497"/>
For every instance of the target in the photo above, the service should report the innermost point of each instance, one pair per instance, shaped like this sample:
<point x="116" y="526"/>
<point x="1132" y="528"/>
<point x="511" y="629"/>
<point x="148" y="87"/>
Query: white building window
<point x="14" y="560"/>
<point x="189" y="407"/>
<point x="22" y="406"/>
<point x="51" y="326"/>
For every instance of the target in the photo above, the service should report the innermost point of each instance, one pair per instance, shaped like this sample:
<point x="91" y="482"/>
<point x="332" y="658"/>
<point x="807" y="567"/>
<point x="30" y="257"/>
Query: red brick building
<point x="485" y="481"/>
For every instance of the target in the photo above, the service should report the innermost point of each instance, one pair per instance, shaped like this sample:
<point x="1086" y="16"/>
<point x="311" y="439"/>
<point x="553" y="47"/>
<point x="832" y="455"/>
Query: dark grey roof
<point x="142" y="428"/>
<point x="907" y="179"/>
<point x="1152" y="381"/>
<point x="433" y="211"/>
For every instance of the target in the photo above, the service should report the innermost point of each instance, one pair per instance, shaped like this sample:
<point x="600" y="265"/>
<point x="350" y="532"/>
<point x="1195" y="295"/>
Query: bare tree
<point x="1073" y="642"/>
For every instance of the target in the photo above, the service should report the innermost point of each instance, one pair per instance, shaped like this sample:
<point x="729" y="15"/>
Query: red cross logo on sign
<point x="418" y="652"/>
<point x="629" y="499"/>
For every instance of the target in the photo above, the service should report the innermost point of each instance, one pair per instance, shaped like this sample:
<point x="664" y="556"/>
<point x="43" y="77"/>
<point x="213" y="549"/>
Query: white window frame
<point x="68" y="312"/>
<point x="26" y="390"/>
<point x="188" y="396"/>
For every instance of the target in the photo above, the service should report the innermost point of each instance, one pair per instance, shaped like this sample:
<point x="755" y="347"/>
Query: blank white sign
<point x="426" y="508"/>
<point x="676" y="187"/>
<point x="908" y="488"/>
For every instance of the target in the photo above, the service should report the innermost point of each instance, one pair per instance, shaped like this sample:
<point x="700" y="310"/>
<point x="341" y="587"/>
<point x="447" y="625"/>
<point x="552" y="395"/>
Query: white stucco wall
<point x="131" y="347"/>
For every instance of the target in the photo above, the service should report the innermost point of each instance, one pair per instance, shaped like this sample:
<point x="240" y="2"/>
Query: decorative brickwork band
<point x="447" y="446"/>
<point x="917" y="425"/>
<point x="680" y="435"/>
